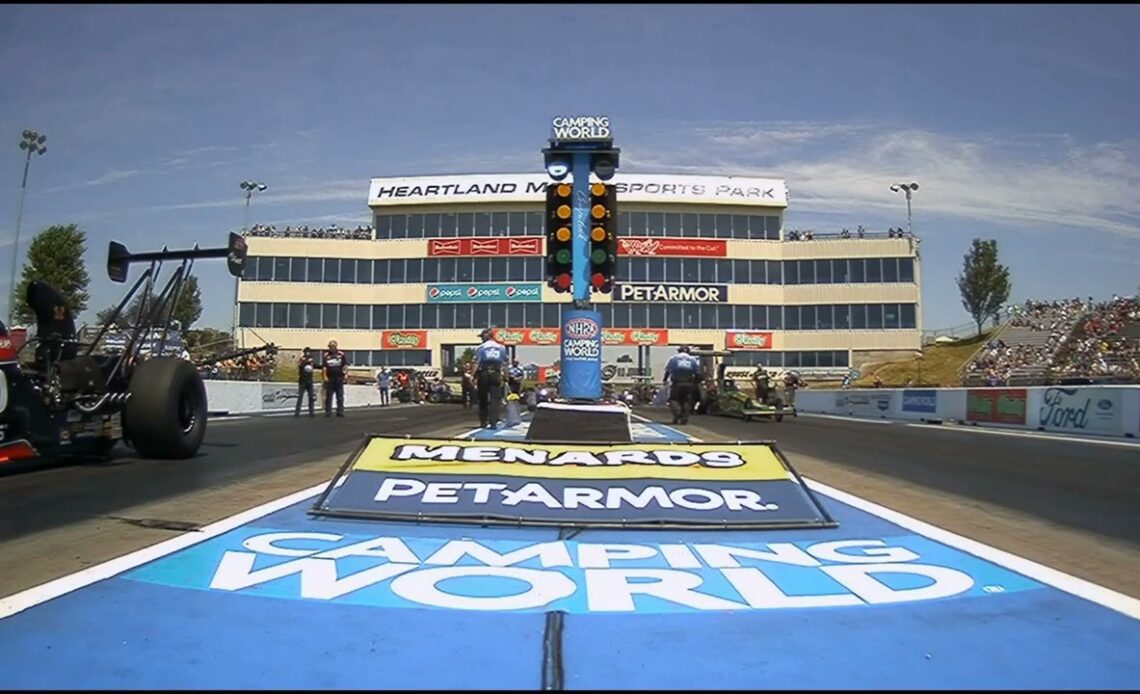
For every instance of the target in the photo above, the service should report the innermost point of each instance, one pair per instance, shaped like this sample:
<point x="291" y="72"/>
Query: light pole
<point x="909" y="189"/>
<point x="250" y="187"/>
<point x="32" y="143"/>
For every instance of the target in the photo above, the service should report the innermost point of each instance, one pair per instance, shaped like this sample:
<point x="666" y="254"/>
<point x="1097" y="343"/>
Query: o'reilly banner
<point x="673" y="293"/>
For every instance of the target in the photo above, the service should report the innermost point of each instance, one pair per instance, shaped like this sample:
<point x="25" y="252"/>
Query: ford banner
<point x="1091" y="410"/>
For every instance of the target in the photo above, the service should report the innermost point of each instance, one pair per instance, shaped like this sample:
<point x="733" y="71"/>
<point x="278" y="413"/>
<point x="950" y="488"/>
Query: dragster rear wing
<point x="119" y="258"/>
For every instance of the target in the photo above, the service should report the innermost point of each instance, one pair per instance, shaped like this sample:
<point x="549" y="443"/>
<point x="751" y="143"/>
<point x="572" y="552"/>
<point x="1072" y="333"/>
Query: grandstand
<point x="1061" y="341"/>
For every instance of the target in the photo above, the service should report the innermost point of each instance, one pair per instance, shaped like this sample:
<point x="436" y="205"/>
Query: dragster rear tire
<point x="165" y="416"/>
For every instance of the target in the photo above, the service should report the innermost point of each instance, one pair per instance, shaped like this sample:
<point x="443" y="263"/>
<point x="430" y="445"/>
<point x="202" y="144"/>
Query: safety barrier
<point x="251" y="397"/>
<point x="1091" y="410"/>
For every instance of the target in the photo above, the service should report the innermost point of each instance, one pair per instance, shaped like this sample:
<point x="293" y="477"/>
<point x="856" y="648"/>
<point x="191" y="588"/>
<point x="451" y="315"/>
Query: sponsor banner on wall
<point x="404" y="339"/>
<point x="528" y="336"/>
<point x="719" y="484"/>
<point x="485" y="291"/>
<point x="531" y="187"/>
<point x="864" y="404"/>
<point x="611" y="337"/>
<point x="278" y="395"/>
<point x="672" y="247"/>
<point x="920" y="401"/>
<point x="997" y="405"/>
<point x="747" y="339"/>
<point x="672" y="293"/>
<point x="616" y="337"/>
<point x="1090" y="410"/>
<point x="526" y="245"/>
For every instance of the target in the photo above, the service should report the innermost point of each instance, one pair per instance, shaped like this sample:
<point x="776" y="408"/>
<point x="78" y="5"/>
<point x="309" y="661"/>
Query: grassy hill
<point x="939" y="368"/>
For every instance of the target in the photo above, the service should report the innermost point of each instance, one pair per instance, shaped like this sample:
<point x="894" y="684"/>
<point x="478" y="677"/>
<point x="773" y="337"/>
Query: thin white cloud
<point x="331" y="191"/>
<point x="326" y="220"/>
<point x="109" y="177"/>
<point x="1028" y="180"/>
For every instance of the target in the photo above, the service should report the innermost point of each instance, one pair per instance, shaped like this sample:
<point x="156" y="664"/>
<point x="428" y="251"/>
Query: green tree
<point x="55" y="257"/>
<point x="984" y="282"/>
<point x="465" y="359"/>
<point x="187" y="311"/>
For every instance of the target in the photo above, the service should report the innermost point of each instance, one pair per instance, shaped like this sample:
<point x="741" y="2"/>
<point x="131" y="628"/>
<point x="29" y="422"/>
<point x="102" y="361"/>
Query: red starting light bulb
<point x="598" y="280"/>
<point x="563" y="281"/>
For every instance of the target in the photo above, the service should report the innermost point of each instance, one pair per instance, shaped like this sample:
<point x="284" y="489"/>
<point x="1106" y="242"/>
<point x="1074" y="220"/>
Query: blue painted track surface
<point x="159" y="626"/>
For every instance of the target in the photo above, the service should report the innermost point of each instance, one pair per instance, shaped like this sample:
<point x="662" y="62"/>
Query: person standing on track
<point x="305" y="368"/>
<point x="682" y="372"/>
<point x="384" y="383"/>
<point x="334" y="366"/>
<point x="489" y="359"/>
<point x="515" y="377"/>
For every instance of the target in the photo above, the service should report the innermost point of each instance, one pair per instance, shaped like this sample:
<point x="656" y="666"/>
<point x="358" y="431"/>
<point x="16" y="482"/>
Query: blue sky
<point x="1019" y="123"/>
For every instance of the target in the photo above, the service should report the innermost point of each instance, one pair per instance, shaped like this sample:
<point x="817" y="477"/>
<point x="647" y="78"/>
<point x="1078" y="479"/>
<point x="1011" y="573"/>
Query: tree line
<point x="55" y="257"/>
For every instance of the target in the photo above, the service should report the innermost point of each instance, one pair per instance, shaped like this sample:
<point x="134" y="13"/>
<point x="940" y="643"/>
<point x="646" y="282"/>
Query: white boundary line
<point x="109" y="569"/>
<point x="1120" y="442"/>
<point x="1078" y="587"/>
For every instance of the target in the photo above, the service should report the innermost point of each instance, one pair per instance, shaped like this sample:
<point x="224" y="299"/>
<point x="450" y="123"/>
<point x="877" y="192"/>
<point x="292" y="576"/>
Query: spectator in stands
<point x="360" y="233"/>
<point x="1085" y="340"/>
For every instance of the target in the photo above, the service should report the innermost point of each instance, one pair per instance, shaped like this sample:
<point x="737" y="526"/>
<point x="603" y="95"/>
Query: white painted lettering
<point x="598" y="556"/>
<point x="544" y="587"/>
<point x="263" y="544"/>
<point x="859" y="580"/>
<point x="611" y="590"/>
<point x="550" y="554"/>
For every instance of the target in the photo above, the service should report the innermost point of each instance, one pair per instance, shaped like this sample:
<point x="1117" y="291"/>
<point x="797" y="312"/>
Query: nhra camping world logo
<point x="583" y="329"/>
<point x="580" y="340"/>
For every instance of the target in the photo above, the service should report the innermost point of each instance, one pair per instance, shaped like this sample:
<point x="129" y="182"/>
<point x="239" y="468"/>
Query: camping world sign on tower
<point x="581" y="128"/>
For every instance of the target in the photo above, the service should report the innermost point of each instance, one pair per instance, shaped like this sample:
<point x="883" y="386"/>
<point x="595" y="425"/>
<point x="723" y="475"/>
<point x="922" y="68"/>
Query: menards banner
<point x="612" y="337"/>
<point x="578" y="484"/>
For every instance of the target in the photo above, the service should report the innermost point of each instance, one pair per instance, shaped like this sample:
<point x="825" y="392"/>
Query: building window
<point x="906" y="269"/>
<point x="466" y="224"/>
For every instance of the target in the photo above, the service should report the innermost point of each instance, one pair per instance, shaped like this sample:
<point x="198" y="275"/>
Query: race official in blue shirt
<point x="515" y="377"/>
<point x="682" y="372"/>
<point x="490" y="357"/>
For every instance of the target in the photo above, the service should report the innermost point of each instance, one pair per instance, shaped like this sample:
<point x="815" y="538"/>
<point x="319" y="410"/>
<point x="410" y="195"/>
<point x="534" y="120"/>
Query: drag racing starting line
<point x="1070" y="584"/>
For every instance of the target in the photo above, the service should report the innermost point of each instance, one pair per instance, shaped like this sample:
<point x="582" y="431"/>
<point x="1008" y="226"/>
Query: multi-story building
<point x="704" y="261"/>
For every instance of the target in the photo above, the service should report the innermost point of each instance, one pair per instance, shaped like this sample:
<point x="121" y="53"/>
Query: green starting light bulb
<point x="563" y="256"/>
<point x="599" y="256"/>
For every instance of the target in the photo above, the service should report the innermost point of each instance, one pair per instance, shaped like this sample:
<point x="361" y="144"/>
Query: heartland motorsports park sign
<point x="531" y="188"/>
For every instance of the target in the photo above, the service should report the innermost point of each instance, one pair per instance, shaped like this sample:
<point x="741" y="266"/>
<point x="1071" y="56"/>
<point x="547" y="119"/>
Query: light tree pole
<point x="909" y="189"/>
<point x="250" y="187"/>
<point x="31" y="143"/>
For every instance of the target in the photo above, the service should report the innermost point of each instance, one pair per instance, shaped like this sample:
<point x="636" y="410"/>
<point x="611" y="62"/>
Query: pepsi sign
<point x="483" y="292"/>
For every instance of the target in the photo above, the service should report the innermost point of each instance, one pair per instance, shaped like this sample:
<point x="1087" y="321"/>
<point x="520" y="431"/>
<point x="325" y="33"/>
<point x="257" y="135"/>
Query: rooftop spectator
<point x="360" y="233"/>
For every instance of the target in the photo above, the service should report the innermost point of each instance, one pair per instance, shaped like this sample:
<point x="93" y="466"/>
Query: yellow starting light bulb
<point x="598" y="234"/>
<point x="598" y="190"/>
<point x="564" y="212"/>
<point x="564" y="190"/>
<point x="563" y="234"/>
<point x="598" y="211"/>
